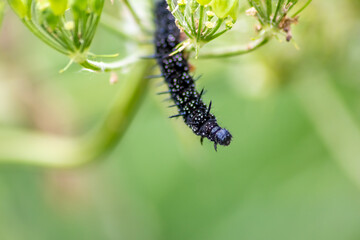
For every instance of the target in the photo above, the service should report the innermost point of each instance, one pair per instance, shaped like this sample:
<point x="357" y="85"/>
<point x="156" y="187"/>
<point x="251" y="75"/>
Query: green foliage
<point x="70" y="34"/>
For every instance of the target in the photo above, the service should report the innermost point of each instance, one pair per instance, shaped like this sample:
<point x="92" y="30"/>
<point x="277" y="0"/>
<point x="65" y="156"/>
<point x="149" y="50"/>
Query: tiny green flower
<point x="194" y="6"/>
<point x="229" y="24"/>
<point x="209" y="25"/>
<point x="210" y="14"/>
<point x="69" y="25"/>
<point x="251" y="12"/>
<point x="182" y="5"/>
<point x="181" y="2"/>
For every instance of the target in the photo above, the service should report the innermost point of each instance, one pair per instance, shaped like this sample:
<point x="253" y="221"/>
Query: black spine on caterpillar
<point x="175" y="70"/>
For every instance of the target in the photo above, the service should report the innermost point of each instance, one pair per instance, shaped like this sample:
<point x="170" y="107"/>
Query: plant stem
<point x="278" y="7"/>
<point x="301" y="9"/>
<point x="43" y="37"/>
<point x="269" y="9"/>
<point x="214" y="30"/>
<point x="235" y="50"/>
<point x="193" y="24"/>
<point x="258" y="6"/>
<point x="111" y="130"/>
<point x="46" y="150"/>
<point x="216" y="35"/>
<point x="200" y="22"/>
<point x="111" y="66"/>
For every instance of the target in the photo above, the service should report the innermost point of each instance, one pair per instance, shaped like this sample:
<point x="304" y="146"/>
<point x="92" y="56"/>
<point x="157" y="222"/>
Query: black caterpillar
<point x="175" y="70"/>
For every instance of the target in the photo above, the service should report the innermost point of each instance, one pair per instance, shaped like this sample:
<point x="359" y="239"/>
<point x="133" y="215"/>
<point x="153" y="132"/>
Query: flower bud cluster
<point x="67" y="26"/>
<point x="274" y="16"/>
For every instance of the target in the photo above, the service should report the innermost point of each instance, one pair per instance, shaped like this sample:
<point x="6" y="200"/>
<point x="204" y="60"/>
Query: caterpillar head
<point x="222" y="137"/>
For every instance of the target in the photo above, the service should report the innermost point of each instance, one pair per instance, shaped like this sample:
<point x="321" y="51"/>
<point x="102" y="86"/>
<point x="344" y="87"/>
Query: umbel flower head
<point x="67" y="26"/>
<point x="205" y="20"/>
<point x="275" y="16"/>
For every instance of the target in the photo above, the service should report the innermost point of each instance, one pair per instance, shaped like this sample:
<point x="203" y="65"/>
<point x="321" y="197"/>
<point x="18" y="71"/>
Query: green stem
<point x="261" y="14"/>
<point x="193" y="24"/>
<point x="111" y="130"/>
<point x="41" y="149"/>
<point x="288" y="7"/>
<point x="183" y="19"/>
<point x="111" y="66"/>
<point x="216" y="35"/>
<point x="200" y="22"/>
<point x="235" y="50"/>
<point x="278" y="7"/>
<point x="302" y="9"/>
<point x="56" y="37"/>
<point x="269" y="9"/>
<point x="190" y="27"/>
<point x="214" y="30"/>
<point x="66" y="38"/>
<point x="89" y="28"/>
<point x="43" y="37"/>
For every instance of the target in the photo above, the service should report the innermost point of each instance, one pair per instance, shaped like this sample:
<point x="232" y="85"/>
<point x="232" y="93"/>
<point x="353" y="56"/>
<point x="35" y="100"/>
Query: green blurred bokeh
<point x="292" y="171"/>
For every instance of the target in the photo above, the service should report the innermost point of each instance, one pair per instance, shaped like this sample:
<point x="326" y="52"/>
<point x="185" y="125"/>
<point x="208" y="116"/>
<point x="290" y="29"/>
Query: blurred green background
<point x="292" y="171"/>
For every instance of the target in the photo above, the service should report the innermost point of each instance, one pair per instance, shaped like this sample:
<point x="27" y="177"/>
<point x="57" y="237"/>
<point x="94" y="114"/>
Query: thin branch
<point x="110" y="66"/>
<point x="278" y="9"/>
<point x="302" y="9"/>
<point x="44" y="37"/>
<point x="235" y="50"/>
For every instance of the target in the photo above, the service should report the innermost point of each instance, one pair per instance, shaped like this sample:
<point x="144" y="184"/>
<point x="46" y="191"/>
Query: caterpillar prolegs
<point x="175" y="70"/>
